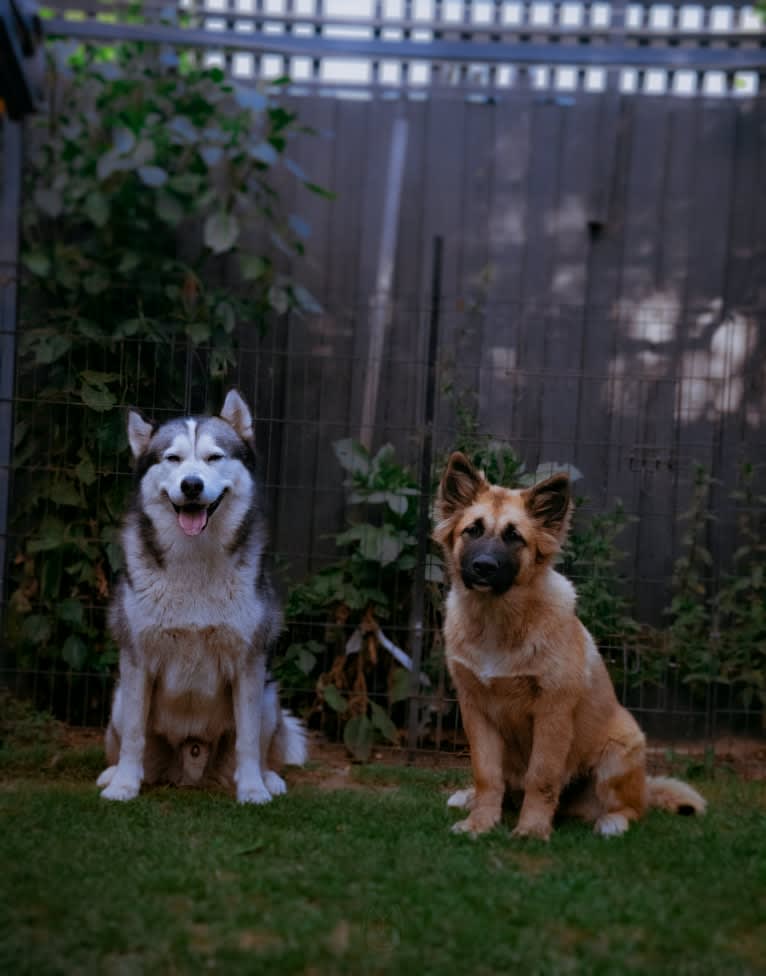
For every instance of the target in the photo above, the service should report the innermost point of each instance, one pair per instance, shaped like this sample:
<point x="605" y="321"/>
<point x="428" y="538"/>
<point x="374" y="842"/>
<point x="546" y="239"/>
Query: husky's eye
<point x="474" y="531"/>
<point x="173" y="458"/>
<point x="510" y="534"/>
<point x="212" y="458"/>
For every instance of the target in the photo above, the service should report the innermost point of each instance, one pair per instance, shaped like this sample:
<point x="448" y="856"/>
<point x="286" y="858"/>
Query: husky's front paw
<point x="252" y="793"/>
<point x="122" y="785"/>
<point x="274" y="783"/>
<point x="462" y="799"/>
<point x="250" y="785"/>
<point x="107" y="776"/>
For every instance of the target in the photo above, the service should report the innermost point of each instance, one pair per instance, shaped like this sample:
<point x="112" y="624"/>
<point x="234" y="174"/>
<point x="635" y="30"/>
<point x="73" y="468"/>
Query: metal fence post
<point x="10" y="222"/>
<point x="426" y="458"/>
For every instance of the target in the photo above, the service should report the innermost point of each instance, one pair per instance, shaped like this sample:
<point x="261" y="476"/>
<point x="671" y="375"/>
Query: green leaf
<point x="169" y="208"/>
<point x="399" y="689"/>
<point x="37" y="262"/>
<point x="278" y="299"/>
<point x="99" y="400"/>
<point x="221" y="232"/>
<point x="198" y="332"/>
<point x="227" y="316"/>
<point x="96" y="208"/>
<point x="306" y="300"/>
<point x="65" y="493"/>
<point x="358" y="736"/>
<point x="70" y="611"/>
<point x="153" y="176"/>
<point x="95" y="283"/>
<point x="75" y="652"/>
<point x="305" y="660"/>
<point x="123" y="140"/>
<point x="20" y="431"/>
<point x="334" y="699"/>
<point x="320" y="191"/>
<point x="51" y="348"/>
<point x="187" y="183"/>
<point x="211" y="155"/>
<point x="299" y="226"/>
<point x="52" y="534"/>
<point x="98" y="378"/>
<point x="250" y="98"/>
<point x="49" y="201"/>
<point x="383" y="723"/>
<point x="397" y="503"/>
<point x="376" y="543"/>
<point x="264" y="152"/>
<point x="252" y="267"/>
<point x="353" y="457"/>
<point x="37" y="629"/>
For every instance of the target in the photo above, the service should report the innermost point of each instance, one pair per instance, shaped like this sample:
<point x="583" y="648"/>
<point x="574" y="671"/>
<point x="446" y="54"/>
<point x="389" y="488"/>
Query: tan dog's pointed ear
<point x="237" y="413"/>
<point x="550" y="504"/>
<point x="139" y="433"/>
<point x="459" y="486"/>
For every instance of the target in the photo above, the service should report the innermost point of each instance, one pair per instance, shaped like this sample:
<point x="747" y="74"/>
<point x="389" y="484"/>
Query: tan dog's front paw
<point x="479" y="822"/>
<point x="535" y="830"/>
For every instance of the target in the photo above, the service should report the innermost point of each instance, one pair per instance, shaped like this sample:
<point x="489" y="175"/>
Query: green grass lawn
<point x="363" y="880"/>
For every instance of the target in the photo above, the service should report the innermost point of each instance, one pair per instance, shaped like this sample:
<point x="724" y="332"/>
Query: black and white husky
<point x="195" y="616"/>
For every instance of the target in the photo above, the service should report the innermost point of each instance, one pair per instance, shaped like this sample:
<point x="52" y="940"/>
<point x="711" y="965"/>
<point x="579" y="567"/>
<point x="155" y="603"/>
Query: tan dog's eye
<point x="474" y="531"/>
<point x="511" y="534"/>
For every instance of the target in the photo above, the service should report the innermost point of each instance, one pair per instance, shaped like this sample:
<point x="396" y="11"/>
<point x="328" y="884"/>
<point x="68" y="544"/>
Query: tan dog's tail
<point x="672" y="795"/>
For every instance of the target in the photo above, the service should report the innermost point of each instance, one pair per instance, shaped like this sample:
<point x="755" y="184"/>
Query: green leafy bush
<point x="350" y="600"/>
<point x="145" y="182"/>
<point x="717" y="632"/>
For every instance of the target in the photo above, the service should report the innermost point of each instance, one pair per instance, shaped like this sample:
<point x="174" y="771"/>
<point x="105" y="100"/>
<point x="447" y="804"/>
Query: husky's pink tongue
<point x="192" y="523"/>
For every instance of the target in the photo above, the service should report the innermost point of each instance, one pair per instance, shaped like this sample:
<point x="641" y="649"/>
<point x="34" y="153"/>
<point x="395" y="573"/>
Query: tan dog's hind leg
<point x="621" y="785"/>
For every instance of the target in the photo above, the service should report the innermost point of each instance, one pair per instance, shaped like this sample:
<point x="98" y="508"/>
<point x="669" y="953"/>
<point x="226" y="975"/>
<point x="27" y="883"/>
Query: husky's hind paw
<point x="107" y="776"/>
<point x="462" y="799"/>
<point x="122" y="787"/>
<point x="274" y="783"/>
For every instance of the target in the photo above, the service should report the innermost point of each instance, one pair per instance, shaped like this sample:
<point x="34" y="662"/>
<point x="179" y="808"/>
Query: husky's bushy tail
<point x="666" y="793"/>
<point x="289" y="743"/>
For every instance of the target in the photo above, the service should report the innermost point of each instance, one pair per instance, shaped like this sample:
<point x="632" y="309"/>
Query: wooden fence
<point x="602" y="297"/>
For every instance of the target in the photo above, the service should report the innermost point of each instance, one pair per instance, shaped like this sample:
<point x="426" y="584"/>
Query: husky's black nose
<point x="484" y="566"/>
<point x="192" y="486"/>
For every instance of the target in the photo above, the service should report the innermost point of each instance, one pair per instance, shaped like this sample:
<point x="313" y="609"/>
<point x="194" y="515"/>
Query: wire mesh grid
<point x="304" y="380"/>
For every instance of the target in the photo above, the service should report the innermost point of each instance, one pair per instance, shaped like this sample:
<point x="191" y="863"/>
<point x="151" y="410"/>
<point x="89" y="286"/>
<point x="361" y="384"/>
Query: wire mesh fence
<point x="346" y="555"/>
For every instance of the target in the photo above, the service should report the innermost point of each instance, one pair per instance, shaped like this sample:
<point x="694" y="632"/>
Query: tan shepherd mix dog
<point x="537" y="702"/>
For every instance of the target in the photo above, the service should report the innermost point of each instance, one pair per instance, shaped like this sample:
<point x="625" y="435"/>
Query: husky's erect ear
<point x="237" y="413"/>
<point x="550" y="505"/>
<point x="459" y="486"/>
<point x="139" y="433"/>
